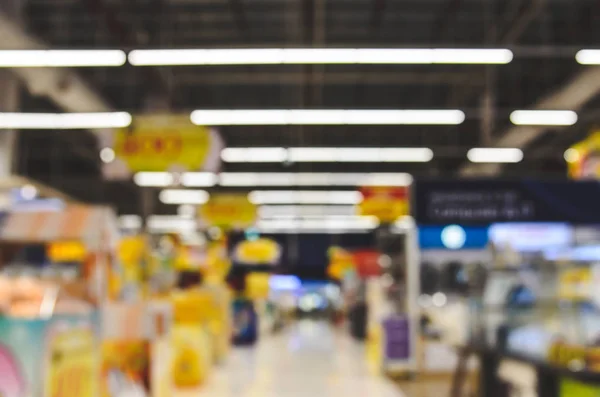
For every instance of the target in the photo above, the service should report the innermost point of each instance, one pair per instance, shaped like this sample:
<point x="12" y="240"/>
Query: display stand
<point x="59" y="349"/>
<point x="51" y="332"/>
<point x="392" y="300"/>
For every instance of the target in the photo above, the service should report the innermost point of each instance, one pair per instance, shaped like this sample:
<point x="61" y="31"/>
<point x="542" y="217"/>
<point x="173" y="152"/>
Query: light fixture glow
<point x="61" y="58"/>
<point x="324" y="154"/>
<point x="495" y="155"/>
<point x="253" y="179"/>
<point x="327" y="117"/>
<point x="169" y="223"/>
<point x="453" y="237"/>
<point x="64" y="121"/>
<point x="29" y="192"/>
<point x="299" y="56"/>
<point x="107" y="155"/>
<point x="156" y="179"/>
<point x="254" y="155"/>
<point x="186" y="211"/>
<point x="543" y="117"/>
<point x="304" y="197"/>
<point x="199" y="179"/>
<point x="572" y="155"/>
<point x="183" y="196"/>
<point x="313" y="179"/>
<point x="130" y="222"/>
<point x="588" y="57"/>
<point x="316" y="224"/>
<point x="275" y="211"/>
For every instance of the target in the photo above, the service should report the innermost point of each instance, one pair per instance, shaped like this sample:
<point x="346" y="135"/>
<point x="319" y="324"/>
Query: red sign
<point x="367" y="263"/>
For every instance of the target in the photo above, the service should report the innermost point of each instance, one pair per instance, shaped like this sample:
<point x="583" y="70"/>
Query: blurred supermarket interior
<point x="290" y="198"/>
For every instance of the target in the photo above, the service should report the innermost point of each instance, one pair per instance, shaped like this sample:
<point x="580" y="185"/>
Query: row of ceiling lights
<point x="269" y="179"/>
<point x="259" y="197"/>
<point x="308" y="155"/>
<point x="62" y="121"/>
<point x="357" y="155"/>
<point x="162" y="223"/>
<point x="266" y="56"/>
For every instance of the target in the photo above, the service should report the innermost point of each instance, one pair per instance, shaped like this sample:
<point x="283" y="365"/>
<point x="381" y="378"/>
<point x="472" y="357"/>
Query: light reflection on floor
<point x="309" y="359"/>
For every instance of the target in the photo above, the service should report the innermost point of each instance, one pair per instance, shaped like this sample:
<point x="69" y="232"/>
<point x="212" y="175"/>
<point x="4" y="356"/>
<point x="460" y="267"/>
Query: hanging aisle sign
<point x="385" y="203"/>
<point x="487" y="201"/>
<point x="228" y="211"/>
<point x="162" y="143"/>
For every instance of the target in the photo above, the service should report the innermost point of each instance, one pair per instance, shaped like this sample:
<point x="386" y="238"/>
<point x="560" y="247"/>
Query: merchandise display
<point x="52" y="283"/>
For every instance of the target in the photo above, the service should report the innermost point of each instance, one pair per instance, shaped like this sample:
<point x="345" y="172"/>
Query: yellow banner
<point x="228" y="210"/>
<point x="165" y="143"/>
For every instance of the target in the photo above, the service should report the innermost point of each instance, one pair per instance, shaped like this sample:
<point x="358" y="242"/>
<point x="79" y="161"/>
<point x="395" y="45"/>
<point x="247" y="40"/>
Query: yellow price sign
<point x="228" y="210"/>
<point x="385" y="203"/>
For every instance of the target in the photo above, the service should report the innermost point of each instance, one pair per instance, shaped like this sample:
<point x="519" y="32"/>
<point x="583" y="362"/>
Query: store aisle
<point x="309" y="359"/>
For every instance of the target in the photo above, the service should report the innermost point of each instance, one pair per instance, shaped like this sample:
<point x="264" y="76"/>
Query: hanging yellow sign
<point x="228" y="210"/>
<point x="263" y="251"/>
<point x="385" y="203"/>
<point x="583" y="158"/>
<point x="164" y="143"/>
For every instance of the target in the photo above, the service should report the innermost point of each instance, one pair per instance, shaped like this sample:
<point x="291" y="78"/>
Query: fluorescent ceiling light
<point x="199" y="179"/>
<point x="183" y="196"/>
<point x="170" y="223"/>
<point x="274" y="211"/>
<point x="328" y="117"/>
<point x="308" y="154"/>
<point x="61" y="58"/>
<point x="186" y="211"/>
<point x="543" y="117"/>
<point x="64" y="121"/>
<point x="495" y="155"/>
<point x="130" y="222"/>
<point x="156" y="179"/>
<point x="360" y="154"/>
<point x="324" y="218"/>
<point x="298" y="56"/>
<point x="253" y="179"/>
<point x="304" y="197"/>
<point x="588" y="57"/>
<point x="254" y="155"/>
<point x="313" y="179"/>
<point x="339" y="225"/>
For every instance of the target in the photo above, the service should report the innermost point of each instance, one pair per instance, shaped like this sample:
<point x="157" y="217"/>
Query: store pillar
<point x="9" y="100"/>
<point x="9" y="89"/>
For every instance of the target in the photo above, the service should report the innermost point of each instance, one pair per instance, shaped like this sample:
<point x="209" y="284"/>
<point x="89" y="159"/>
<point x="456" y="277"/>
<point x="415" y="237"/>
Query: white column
<point x="9" y="99"/>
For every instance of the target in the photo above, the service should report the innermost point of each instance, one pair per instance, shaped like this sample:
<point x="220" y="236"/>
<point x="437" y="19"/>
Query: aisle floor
<point x="308" y="359"/>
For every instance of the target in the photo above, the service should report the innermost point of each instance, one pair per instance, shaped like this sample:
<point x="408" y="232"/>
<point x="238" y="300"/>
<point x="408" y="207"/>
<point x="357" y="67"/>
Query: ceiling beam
<point x="573" y="96"/>
<point x="64" y="87"/>
<point x="331" y="78"/>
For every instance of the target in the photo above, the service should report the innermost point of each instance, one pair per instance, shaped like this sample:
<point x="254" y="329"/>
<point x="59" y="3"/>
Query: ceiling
<point x="544" y="35"/>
